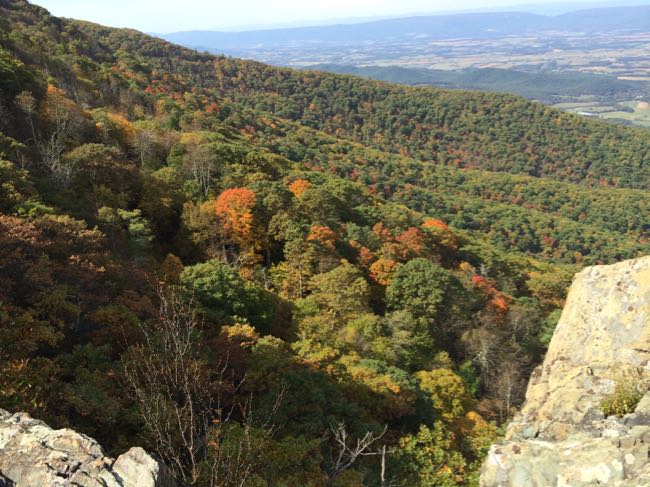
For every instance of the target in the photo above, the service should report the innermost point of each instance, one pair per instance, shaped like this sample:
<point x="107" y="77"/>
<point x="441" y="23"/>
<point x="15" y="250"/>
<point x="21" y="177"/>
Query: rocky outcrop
<point x="561" y="437"/>
<point x="34" y="455"/>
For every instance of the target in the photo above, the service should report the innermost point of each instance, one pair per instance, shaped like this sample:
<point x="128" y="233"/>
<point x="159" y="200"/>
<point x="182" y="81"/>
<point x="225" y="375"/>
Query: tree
<point x="15" y="185"/>
<point x="550" y="287"/>
<point x="64" y="119"/>
<point x="430" y="459"/>
<point x="224" y="295"/>
<point x="202" y="224"/>
<point x="234" y="208"/>
<point x="200" y="162"/>
<point x="382" y="271"/>
<point x="299" y="186"/>
<point x="346" y="451"/>
<point x="341" y="293"/>
<point x="131" y="222"/>
<point x="419" y="286"/>
<point x="411" y="342"/>
<point x="186" y="405"/>
<point x="446" y="391"/>
<point x="299" y="267"/>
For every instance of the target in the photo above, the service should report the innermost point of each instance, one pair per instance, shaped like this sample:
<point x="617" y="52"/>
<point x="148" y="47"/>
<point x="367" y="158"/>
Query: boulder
<point x="561" y="437"/>
<point x="33" y="454"/>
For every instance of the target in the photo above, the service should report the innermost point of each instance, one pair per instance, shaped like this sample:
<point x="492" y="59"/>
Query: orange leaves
<point x="365" y="256"/>
<point x="213" y="107"/>
<point x="299" y="186"/>
<point x="497" y="300"/>
<point x="382" y="232"/>
<point x="412" y="242"/>
<point x="434" y="223"/>
<point x="500" y="303"/>
<point x="234" y="207"/>
<point x="323" y="235"/>
<point x="382" y="270"/>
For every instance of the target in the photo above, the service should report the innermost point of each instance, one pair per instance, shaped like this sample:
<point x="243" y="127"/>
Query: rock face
<point x="561" y="438"/>
<point x="34" y="455"/>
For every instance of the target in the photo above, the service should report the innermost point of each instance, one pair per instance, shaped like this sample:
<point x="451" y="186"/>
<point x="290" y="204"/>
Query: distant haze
<point x="164" y="16"/>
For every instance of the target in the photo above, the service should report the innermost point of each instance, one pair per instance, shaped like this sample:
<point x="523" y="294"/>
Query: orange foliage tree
<point x="412" y="243"/>
<point x="323" y="235"/>
<point x="382" y="270"/>
<point x="299" y="186"/>
<point x="234" y="208"/>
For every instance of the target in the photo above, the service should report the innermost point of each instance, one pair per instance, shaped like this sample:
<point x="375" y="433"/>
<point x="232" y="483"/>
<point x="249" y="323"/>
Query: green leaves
<point x="14" y="76"/>
<point x="419" y="286"/>
<point x="225" y="297"/>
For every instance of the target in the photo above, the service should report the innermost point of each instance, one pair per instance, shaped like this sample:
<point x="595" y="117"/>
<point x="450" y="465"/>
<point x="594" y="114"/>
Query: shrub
<point x="623" y="400"/>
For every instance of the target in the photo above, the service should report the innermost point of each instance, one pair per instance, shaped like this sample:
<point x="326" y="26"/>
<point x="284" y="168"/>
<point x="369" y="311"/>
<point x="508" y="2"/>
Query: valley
<point x="564" y="61"/>
<point x="269" y="276"/>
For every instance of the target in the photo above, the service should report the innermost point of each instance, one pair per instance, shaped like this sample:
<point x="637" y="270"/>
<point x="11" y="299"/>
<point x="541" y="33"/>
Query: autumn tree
<point x="299" y="186"/>
<point x="382" y="271"/>
<point x="234" y="208"/>
<point x="428" y="458"/>
<point x="342" y="293"/>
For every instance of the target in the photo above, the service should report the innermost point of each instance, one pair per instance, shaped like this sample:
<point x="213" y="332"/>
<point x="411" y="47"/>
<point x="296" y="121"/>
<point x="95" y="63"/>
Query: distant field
<point x="629" y="112"/>
<point x="594" y="62"/>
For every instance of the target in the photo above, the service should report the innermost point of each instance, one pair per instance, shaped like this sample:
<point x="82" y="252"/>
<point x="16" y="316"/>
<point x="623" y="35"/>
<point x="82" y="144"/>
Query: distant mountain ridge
<point x="476" y="25"/>
<point x="548" y="87"/>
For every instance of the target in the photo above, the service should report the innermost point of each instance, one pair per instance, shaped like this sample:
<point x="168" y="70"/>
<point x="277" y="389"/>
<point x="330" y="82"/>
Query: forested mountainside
<point x="547" y="87"/>
<point x="285" y="278"/>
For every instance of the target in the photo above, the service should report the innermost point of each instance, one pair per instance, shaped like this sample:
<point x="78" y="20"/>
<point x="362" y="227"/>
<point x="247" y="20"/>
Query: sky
<point x="165" y="16"/>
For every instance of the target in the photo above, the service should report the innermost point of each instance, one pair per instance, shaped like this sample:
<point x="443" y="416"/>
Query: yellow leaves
<point x="378" y="389"/>
<point x="193" y="138"/>
<point x="467" y="268"/>
<point x="447" y="392"/>
<point x="299" y="186"/>
<point x="244" y="334"/>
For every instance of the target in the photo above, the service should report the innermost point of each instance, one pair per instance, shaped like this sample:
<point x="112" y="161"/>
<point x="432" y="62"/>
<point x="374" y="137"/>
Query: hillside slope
<point x="201" y="256"/>
<point x="548" y="87"/>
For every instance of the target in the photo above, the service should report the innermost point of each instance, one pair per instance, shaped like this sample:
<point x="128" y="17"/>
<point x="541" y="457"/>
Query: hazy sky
<point x="163" y="16"/>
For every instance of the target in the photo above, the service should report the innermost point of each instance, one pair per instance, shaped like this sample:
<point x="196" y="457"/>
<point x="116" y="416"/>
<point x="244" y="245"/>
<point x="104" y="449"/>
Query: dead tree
<point x="64" y="121"/>
<point x="346" y="450"/>
<point x="187" y="407"/>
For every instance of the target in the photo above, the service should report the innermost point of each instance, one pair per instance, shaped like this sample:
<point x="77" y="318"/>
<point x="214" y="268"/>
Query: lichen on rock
<point x="33" y="454"/>
<point x="561" y="436"/>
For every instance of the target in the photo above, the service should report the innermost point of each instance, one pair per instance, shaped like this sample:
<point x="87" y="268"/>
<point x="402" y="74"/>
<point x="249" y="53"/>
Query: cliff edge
<point x="33" y="454"/>
<point x="561" y="437"/>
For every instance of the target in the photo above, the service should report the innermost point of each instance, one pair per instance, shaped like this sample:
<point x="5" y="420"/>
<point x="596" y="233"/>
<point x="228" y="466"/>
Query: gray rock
<point x="136" y="467"/>
<point x="34" y="455"/>
<point x="561" y="437"/>
<point x="644" y="405"/>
